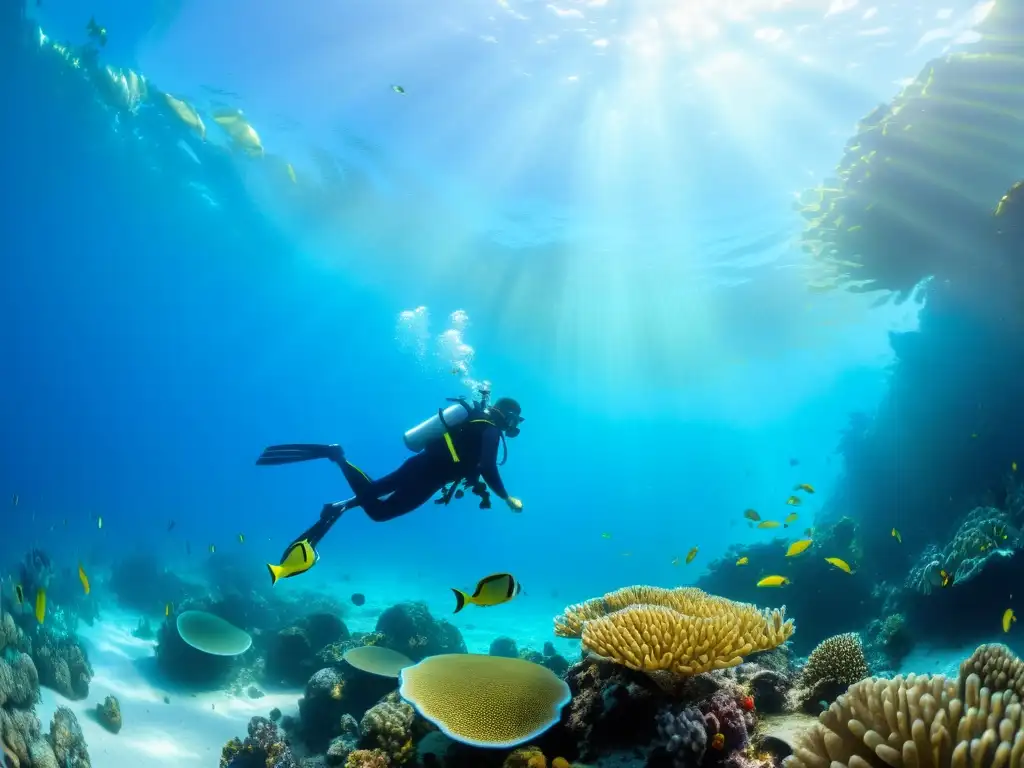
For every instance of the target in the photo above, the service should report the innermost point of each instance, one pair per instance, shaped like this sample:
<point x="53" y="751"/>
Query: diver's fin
<point x="289" y="453"/>
<point x="460" y="600"/>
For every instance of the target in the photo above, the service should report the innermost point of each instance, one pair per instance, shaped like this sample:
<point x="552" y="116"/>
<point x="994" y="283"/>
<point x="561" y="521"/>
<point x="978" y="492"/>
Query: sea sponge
<point x="998" y="668"/>
<point x="683" y="630"/>
<point x="917" y="720"/>
<point x="487" y="701"/>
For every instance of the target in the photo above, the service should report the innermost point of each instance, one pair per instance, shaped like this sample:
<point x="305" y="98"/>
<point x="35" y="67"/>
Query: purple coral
<point x="684" y="735"/>
<point x="724" y="714"/>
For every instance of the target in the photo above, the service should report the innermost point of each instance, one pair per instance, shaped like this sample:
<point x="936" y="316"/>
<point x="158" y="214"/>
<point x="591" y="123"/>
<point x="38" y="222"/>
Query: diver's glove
<point x="514" y="504"/>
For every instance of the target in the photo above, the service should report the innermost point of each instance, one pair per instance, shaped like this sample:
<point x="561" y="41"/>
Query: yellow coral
<point x="917" y="721"/>
<point x="488" y="701"/>
<point x="560" y="762"/>
<point x="525" y="757"/>
<point x="683" y="630"/>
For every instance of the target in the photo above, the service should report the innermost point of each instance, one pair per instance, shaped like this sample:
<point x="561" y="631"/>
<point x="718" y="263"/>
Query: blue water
<point x="615" y="219"/>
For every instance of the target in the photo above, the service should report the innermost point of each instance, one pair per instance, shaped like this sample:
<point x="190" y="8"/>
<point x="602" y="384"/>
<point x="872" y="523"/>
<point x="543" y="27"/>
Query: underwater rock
<point x="19" y="680"/>
<point x="321" y="708"/>
<point x="345" y="743"/>
<point x="296" y="652"/>
<point x="504" y="646"/>
<point x="409" y="628"/>
<point x="325" y="628"/>
<point x="264" y="746"/>
<point x="109" y="714"/>
<point x="769" y="689"/>
<point x="891" y="638"/>
<point x="67" y="740"/>
<point x="62" y="664"/>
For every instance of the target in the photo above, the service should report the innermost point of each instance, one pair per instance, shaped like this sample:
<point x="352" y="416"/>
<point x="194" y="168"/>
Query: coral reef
<point x="321" y="708"/>
<point x="62" y="663"/>
<point x="684" y="630"/>
<point x="264" y="747"/>
<point x="985" y="533"/>
<point x="388" y="726"/>
<point x="835" y="664"/>
<point x="891" y="638"/>
<point x="410" y="629"/>
<point x="66" y="738"/>
<point x="345" y="743"/>
<point x="504" y="646"/>
<point x="109" y="714"/>
<point x="367" y="758"/>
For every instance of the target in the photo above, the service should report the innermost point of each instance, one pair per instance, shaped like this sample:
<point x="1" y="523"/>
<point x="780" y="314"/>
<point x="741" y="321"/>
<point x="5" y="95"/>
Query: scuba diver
<point x="456" y="449"/>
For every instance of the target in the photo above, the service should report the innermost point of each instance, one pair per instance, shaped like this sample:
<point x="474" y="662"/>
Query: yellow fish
<point x="896" y="535"/>
<point x="19" y="593"/>
<point x="842" y="565"/>
<point x="773" y="581"/>
<point x="797" y="547"/>
<point x="743" y="560"/>
<point x="768" y="524"/>
<point x="241" y="538"/>
<point x="1008" y="618"/>
<point x="40" y="605"/>
<point x="99" y="522"/>
<point x="790" y="518"/>
<point x="947" y="580"/>
<point x="84" y="579"/>
<point x="606" y="535"/>
<point x="690" y="555"/>
<point x="751" y="514"/>
<point x="794" y="501"/>
<point x="491" y="590"/>
<point x="804" y="487"/>
<point x="167" y="610"/>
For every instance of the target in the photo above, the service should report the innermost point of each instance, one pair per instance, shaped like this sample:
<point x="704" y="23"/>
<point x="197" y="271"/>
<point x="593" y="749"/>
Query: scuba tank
<point x="445" y="420"/>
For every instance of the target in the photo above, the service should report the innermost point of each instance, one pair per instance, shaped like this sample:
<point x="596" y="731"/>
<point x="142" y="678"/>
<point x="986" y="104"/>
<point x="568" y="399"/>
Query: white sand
<point x="188" y="732"/>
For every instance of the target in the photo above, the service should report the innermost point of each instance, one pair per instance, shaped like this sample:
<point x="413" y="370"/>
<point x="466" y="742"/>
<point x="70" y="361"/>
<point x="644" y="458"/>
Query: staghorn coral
<point x="683" y="630"/>
<point x="683" y="735"/>
<point x="985" y="533"/>
<point x="917" y="720"/>
<point x="836" y="663"/>
<point x="388" y="726"/>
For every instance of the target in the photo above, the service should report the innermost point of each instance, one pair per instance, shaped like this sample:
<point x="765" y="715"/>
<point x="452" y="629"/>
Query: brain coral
<point x="487" y="701"/>
<point x="684" y="630"/>
<point x="917" y="721"/>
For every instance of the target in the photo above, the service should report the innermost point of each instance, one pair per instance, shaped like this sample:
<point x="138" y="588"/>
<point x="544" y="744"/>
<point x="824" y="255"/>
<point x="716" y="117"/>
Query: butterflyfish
<point x="794" y="501"/>
<point x="1008" y="618"/>
<point x="300" y="557"/>
<point x="167" y="609"/>
<point x="790" y="518"/>
<point x="751" y="514"/>
<point x="768" y="524"/>
<point x="797" y="547"/>
<point x="839" y="563"/>
<point x="773" y="581"/>
<point x="83" y="578"/>
<point x="807" y="487"/>
<point x="40" y="605"/>
<point x="896" y="535"/>
<point x="491" y="590"/>
<point x="691" y="554"/>
<point x="946" y="579"/>
<point x="743" y="560"/>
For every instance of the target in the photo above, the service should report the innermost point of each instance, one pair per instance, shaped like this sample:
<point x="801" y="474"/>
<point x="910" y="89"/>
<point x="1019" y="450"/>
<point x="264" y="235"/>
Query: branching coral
<point x="984" y="534"/>
<point x="683" y="630"/>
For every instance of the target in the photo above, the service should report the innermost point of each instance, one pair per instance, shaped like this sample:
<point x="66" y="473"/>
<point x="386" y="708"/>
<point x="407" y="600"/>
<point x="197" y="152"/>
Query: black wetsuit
<point x="425" y="474"/>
